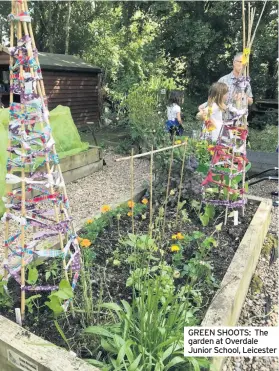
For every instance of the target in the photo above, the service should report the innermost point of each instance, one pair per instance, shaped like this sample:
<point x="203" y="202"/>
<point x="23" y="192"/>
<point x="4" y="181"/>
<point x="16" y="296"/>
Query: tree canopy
<point x="192" y="42"/>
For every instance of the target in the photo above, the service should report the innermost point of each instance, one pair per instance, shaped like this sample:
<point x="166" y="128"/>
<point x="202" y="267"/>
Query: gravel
<point x="258" y="303"/>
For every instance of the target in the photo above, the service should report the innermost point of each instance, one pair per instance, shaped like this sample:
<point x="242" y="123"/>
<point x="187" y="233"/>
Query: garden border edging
<point x="227" y="303"/>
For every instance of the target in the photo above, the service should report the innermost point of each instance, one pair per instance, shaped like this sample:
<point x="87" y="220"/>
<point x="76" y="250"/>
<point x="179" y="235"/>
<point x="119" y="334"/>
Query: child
<point x="174" y="122"/>
<point x="211" y="111"/>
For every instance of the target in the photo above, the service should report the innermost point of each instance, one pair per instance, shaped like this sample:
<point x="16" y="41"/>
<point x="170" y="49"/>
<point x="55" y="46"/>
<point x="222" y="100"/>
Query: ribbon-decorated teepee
<point x="228" y="164"/>
<point x="37" y="213"/>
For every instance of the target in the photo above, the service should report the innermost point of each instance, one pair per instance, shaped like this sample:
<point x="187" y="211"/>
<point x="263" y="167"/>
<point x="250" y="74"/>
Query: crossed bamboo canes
<point x="26" y="28"/>
<point x="242" y="102"/>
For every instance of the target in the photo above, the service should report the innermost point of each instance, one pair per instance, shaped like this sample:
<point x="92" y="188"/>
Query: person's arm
<point x="249" y="95"/>
<point x="178" y="116"/>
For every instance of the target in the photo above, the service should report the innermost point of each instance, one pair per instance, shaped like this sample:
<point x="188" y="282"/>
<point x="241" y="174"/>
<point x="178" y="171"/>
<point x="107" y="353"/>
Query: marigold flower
<point x="79" y="239"/>
<point x="178" y="141"/>
<point x="174" y="237"/>
<point x="85" y="243"/>
<point x="105" y="208"/>
<point x="144" y="201"/>
<point x="176" y="274"/>
<point x="89" y="221"/>
<point x="129" y="213"/>
<point x="179" y="236"/>
<point x="131" y="204"/>
<point x="174" y="248"/>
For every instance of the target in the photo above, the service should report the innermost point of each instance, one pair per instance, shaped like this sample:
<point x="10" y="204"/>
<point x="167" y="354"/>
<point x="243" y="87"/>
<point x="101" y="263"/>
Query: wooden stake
<point x="167" y="192"/>
<point x="151" y="194"/>
<point x="8" y="186"/>
<point x="132" y="190"/>
<point x="148" y="153"/>
<point x="181" y="182"/>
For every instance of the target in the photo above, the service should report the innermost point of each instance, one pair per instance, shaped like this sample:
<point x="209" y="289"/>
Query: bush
<point x="265" y="140"/>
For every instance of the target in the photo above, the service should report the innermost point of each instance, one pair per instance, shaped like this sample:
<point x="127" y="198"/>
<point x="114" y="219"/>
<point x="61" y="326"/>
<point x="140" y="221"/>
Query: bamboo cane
<point x="257" y="25"/>
<point x="148" y="153"/>
<point x="23" y="194"/>
<point x="132" y="190"/>
<point x="167" y="192"/>
<point x="181" y="181"/>
<point x="8" y="187"/>
<point x="151" y="194"/>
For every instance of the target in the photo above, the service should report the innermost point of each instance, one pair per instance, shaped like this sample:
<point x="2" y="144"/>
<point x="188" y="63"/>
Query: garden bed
<point x="108" y="264"/>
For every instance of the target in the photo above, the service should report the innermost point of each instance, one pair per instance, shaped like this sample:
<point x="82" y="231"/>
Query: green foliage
<point x="5" y="299"/>
<point x="265" y="140"/>
<point x="56" y="298"/>
<point x="147" y="112"/>
<point x="33" y="275"/>
<point x="31" y="302"/>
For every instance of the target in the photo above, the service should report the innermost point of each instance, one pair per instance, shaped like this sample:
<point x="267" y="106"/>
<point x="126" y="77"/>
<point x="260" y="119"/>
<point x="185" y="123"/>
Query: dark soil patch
<point x="109" y="280"/>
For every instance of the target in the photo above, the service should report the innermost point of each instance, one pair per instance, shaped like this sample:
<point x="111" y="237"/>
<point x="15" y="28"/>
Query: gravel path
<point x="258" y="303"/>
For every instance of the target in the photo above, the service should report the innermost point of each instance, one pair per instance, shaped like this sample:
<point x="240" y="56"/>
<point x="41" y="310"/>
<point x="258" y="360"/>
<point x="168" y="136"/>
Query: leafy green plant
<point x="5" y="299"/>
<point x="52" y="270"/>
<point x="56" y="298"/>
<point x="31" y="302"/>
<point x="33" y="275"/>
<point x="149" y="333"/>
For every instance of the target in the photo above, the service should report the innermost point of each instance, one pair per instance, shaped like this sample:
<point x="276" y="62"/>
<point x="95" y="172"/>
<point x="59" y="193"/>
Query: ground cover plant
<point x="149" y="268"/>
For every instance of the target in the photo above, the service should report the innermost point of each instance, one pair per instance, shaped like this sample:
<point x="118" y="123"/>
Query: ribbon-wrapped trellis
<point x="226" y="176"/>
<point x="36" y="201"/>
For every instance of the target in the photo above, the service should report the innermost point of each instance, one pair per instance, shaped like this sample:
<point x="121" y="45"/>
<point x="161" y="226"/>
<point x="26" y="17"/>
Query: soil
<point x="109" y="280"/>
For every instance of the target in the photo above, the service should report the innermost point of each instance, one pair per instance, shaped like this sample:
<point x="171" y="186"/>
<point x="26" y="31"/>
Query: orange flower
<point x="145" y="201"/>
<point x="131" y="204"/>
<point x="179" y="236"/>
<point x="129" y="213"/>
<point x="174" y="248"/>
<point x="105" y="208"/>
<point x="89" y="221"/>
<point x="85" y="243"/>
<point x="79" y="239"/>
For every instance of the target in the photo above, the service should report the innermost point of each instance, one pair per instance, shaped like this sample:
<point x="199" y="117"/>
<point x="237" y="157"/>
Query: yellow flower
<point x="105" y="208"/>
<point x="176" y="274"/>
<point x="174" y="237"/>
<point x="174" y="248"/>
<point x="79" y="239"/>
<point x="129" y="213"/>
<point x="131" y="204"/>
<point x="178" y="141"/>
<point x="89" y="221"/>
<point x="172" y="192"/>
<point x="85" y="243"/>
<point x="145" y="201"/>
<point x="179" y="236"/>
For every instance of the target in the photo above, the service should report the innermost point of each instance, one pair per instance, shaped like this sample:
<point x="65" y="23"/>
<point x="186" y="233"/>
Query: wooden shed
<point x="69" y="81"/>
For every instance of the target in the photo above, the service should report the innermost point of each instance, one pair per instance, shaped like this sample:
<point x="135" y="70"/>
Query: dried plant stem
<point x="181" y="182"/>
<point x="151" y="193"/>
<point x="167" y="193"/>
<point x="132" y="190"/>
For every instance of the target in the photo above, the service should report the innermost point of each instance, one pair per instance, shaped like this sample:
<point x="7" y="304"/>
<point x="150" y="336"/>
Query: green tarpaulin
<point x="64" y="131"/>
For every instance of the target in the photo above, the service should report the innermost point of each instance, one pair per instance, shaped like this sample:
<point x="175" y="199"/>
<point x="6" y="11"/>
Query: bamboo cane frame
<point x="19" y="7"/>
<point x="8" y="187"/>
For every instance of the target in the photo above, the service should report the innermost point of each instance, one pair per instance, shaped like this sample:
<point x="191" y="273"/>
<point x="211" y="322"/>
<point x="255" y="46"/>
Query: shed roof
<point x="50" y="61"/>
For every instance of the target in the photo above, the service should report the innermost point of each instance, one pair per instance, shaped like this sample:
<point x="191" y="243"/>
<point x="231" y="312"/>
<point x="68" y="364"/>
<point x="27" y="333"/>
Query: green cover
<point x="64" y="131"/>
